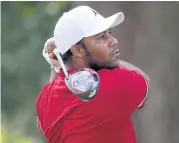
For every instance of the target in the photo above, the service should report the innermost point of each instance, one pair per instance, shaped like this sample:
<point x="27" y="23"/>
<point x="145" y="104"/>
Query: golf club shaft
<point x="61" y="62"/>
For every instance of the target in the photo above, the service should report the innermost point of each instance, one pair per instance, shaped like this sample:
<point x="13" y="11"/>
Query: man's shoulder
<point x="114" y="79"/>
<point x="113" y="72"/>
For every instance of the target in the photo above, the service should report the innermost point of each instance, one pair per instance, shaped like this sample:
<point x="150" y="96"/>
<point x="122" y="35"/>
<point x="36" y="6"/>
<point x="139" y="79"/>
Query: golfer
<point x="83" y="38"/>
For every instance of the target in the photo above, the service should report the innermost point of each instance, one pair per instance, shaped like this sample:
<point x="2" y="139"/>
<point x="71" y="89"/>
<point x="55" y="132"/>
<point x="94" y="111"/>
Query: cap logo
<point x="95" y="12"/>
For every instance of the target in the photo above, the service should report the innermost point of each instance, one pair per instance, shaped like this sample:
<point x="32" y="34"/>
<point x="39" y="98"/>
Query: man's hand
<point x="49" y="55"/>
<point x="51" y="58"/>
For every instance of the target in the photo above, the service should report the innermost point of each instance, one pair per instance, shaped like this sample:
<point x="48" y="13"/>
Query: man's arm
<point x="132" y="67"/>
<point x="50" y="57"/>
<point x="53" y="75"/>
<point x="145" y="76"/>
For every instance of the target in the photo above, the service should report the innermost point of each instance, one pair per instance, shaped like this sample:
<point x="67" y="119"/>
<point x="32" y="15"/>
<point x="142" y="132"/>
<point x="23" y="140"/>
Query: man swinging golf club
<point x="92" y="95"/>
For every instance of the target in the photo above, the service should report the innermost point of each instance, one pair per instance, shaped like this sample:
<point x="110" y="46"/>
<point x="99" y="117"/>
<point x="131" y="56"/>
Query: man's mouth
<point x="115" y="53"/>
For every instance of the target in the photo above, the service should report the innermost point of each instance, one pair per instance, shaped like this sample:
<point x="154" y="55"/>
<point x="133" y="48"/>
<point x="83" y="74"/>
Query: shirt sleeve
<point x="130" y="87"/>
<point x="147" y="84"/>
<point x="139" y="87"/>
<point x="40" y="102"/>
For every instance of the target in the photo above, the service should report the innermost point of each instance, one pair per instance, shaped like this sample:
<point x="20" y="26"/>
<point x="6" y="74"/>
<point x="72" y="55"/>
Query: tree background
<point x="147" y="38"/>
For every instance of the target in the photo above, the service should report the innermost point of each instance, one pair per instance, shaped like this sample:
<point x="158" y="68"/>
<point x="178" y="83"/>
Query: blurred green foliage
<point x="25" y="26"/>
<point x="13" y="138"/>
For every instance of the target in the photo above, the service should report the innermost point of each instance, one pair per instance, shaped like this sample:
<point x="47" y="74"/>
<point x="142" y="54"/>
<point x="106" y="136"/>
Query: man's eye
<point x="101" y="37"/>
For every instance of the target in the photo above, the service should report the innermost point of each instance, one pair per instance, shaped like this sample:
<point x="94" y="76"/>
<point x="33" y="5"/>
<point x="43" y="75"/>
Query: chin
<point x="112" y="66"/>
<point x="115" y="64"/>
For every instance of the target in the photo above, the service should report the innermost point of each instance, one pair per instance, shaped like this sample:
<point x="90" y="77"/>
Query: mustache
<point x="115" y="49"/>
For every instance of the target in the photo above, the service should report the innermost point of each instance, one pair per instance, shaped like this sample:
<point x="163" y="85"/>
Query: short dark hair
<point x="67" y="56"/>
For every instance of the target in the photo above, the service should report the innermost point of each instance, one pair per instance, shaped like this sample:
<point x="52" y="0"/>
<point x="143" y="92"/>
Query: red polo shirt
<point x="63" y="118"/>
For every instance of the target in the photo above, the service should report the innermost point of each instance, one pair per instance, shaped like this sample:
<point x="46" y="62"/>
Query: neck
<point x="75" y="64"/>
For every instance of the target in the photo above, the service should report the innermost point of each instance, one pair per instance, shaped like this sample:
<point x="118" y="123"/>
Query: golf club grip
<point x="61" y="62"/>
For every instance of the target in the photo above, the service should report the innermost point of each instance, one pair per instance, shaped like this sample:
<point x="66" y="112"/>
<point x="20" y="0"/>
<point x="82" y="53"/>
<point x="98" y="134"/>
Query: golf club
<point x="84" y="83"/>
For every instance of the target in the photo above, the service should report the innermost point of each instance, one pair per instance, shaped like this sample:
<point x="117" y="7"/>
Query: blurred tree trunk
<point x="149" y="38"/>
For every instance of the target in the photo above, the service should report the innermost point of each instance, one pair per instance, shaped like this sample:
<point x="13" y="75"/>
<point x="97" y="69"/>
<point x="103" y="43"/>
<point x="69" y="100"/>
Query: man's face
<point x="102" y="51"/>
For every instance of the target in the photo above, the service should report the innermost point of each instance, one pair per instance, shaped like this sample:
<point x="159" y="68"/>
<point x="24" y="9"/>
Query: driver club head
<point x="84" y="83"/>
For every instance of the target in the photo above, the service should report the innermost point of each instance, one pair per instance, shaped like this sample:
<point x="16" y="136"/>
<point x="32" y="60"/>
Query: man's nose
<point x="113" y="41"/>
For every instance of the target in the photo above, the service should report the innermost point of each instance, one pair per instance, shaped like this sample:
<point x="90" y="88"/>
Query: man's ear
<point x="78" y="50"/>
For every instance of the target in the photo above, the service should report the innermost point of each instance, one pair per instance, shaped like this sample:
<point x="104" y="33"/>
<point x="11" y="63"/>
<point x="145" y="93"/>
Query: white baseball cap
<point x="81" y="22"/>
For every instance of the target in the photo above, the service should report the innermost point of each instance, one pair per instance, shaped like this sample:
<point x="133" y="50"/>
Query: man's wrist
<point x="53" y="74"/>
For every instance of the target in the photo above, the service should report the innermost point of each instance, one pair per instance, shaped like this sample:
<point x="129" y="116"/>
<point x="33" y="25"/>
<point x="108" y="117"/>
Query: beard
<point x="95" y="64"/>
<point x="97" y="67"/>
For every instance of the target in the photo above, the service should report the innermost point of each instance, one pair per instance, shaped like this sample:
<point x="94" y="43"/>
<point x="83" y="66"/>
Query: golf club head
<point x="84" y="83"/>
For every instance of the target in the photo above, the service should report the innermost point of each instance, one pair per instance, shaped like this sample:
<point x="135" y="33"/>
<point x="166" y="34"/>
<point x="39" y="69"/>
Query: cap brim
<point x="108" y="23"/>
